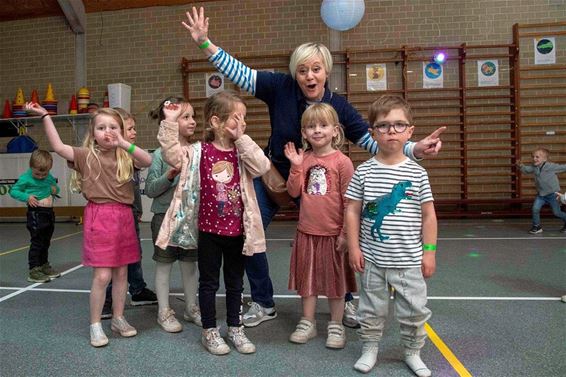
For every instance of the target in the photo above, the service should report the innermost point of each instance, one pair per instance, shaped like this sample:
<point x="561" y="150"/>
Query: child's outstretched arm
<point x="430" y="234"/>
<point x="561" y="197"/>
<point x="296" y="178"/>
<point x="62" y="149"/>
<point x="140" y="155"/>
<point x="168" y="135"/>
<point x="353" y="215"/>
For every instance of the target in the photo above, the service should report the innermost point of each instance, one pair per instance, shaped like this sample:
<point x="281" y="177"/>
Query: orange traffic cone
<point x="7" y="110"/>
<point x="105" y="103"/>
<point x="73" y="107"/>
<point x="34" y="96"/>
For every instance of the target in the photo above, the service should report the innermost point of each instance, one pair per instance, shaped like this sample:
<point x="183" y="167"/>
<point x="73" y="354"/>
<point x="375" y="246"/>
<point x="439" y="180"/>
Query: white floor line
<point x="180" y="294"/>
<point x="31" y="287"/>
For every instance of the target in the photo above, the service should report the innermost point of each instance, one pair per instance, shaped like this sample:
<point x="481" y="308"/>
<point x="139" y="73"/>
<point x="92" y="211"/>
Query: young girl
<point x="229" y="228"/>
<point x="106" y="166"/>
<point x="319" y="265"/>
<point x="160" y="184"/>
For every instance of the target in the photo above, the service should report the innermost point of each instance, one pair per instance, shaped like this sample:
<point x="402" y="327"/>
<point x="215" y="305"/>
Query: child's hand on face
<point x="35" y="108"/>
<point x="294" y="156"/>
<point x="172" y="110"/>
<point x="114" y="137"/>
<point x="236" y="132"/>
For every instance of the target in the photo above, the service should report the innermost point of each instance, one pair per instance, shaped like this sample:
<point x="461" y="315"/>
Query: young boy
<point x="546" y="182"/>
<point x="37" y="187"/>
<point x="392" y="230"/>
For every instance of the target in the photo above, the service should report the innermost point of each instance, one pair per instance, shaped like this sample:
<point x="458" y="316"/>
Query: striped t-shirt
<point x="391" y="223"/>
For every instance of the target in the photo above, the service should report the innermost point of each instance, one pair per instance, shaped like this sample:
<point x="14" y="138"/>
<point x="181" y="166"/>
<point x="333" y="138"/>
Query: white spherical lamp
<point x="342" y="15"/>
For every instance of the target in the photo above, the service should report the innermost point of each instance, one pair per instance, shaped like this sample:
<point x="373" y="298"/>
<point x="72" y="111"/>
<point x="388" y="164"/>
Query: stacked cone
<point x="105" y="103"/>
<point x="34" y="96"/>
<point x="50" y="103"/>
<point x="84" y="99"/>
<point x="73" y="108"/>
<point x="18" y="105"/>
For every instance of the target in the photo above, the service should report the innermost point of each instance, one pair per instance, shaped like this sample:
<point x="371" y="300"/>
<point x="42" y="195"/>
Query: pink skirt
<point x="318" y="269"/>
<point x="110" y="238"/>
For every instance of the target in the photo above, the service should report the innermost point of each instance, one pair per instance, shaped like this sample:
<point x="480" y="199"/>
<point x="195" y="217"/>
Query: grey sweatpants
<point x="410" y="304"/>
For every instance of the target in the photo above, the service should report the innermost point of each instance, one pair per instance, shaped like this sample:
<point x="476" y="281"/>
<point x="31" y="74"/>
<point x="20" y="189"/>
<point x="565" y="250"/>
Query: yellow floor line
<point x="27" y="247"/>
<point x="447" y="353"/>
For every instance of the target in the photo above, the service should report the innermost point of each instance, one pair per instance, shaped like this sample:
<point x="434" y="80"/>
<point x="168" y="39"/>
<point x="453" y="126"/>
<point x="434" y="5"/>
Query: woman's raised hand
<point x="294" y="156"/>
<point x="197" y="24"/>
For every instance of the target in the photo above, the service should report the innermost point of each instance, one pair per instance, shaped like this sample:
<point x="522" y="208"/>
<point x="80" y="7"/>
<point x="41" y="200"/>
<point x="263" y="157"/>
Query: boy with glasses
<point x="392" y="232"/>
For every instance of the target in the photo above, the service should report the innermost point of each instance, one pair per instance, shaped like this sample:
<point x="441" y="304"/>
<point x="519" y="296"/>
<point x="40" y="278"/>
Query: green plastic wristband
<point x="205" y="44"/>
<point x="429" y="247"/>
<point x="131" y="148"/>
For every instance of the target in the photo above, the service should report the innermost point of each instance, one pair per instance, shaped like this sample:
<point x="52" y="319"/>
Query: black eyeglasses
<point x="384" y="127"/>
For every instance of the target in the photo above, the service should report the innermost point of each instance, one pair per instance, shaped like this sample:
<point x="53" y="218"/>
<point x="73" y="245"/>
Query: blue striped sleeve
<point x="239" y="73"/>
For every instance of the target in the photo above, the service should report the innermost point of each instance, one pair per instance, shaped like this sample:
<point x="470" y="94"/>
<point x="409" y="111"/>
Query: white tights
<point x="163" y="277"/>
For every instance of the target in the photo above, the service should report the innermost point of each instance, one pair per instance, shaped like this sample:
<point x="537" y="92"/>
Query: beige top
<point x="99" y="183"/>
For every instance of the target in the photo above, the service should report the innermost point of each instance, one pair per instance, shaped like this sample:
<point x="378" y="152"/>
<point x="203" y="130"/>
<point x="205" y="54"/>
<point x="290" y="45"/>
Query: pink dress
<point x="317" y="267"/>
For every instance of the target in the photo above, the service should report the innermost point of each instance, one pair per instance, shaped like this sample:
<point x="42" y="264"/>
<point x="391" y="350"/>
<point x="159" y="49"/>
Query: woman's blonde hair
<point x="307" y="51"/>
<point x="322" y="112"/>
<point x="125" y="170"/>
<point x="221" y="105"/>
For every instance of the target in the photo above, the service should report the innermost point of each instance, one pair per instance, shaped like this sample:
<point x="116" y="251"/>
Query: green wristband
<point x="205" y="44"/>
<point x="131" y="148"/>
<point x="429" y="247"/>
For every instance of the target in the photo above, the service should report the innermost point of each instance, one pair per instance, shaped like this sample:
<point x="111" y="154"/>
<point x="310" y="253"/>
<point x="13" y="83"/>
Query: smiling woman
<point x="287" y="97"/>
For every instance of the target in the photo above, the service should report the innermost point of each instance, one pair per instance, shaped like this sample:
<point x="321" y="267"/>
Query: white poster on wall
<point x="488" y="72"/>
<point x="545" y="50"/>
<point x="433" y="75"/>
<point x="376" y="77"/>
<point x="214" y="83"/>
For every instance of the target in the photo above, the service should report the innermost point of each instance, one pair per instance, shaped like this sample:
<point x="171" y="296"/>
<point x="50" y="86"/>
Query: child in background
<point x="139" y="293"/>
<point x="229" y="229"/>
<point x="392" y="233"/>
<point x="105" y="166"/>
<point x="319" y="263"/>
<point x="546" y="182"/>
<point x="162" y="181"/>
<point x="36" y="187"/>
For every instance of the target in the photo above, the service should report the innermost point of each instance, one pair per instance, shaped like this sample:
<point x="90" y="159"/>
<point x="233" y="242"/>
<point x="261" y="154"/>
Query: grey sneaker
<point x="97" y="336"/>
<point x="36" y="275"/>
<point x="367" y="361"/>
<point x="166" y="319"/>
<point x="563" y="230"/>
<point x="336" y="335"/>
<point x="121" y="326"/>
<point x="350" y="312"/>
<point x="536" y="229"/>
<point x="304" y="331"/>
<point x="50" y="271"/>
<point x="213" y="342"/>
<point x="193" y="315"/>
<point x="237" y="336"/>
<point x="258" y="314"/>
<point x="413" y="361"/>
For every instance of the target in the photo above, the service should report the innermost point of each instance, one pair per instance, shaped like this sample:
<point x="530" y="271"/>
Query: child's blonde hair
<point x="125" y="170"/>
<point x="41" y="159"/>
<point x="383" y="106"/>
<point x="322" y="112"/>
<point x="544" y="151"/>
<point x="221" y="105"/>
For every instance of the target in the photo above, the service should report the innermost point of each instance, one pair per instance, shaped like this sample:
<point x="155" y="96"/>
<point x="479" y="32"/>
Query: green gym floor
<point x="495" y="300"/>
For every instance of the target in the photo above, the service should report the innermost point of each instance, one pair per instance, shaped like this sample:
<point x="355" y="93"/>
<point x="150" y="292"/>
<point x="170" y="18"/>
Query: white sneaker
<point x="336" y="335"/>
<point x="258" y="314"/>
<point x="350" y="315"/>
<point x="367" y="361"/>
<point x="304" y="331"/>
<point x="193" y="315"/>
<point x="213" y="342"/>
<point x="237" y="336"/>
<point x="413" y="361"/>
<point x="120" y="325"/>
<point x="97" y="336"/>
<point x="166" y="319"/>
